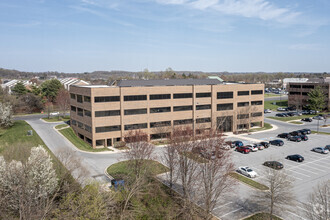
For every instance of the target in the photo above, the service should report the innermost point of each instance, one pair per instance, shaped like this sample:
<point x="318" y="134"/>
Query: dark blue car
<point x="238" y="143"/>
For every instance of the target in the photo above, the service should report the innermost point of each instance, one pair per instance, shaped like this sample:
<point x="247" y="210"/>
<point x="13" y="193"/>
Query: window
<point x="294" y="93"/>
<point x="160" y="110"/>
<point x="79" y="98"/>
<point x="256" y="114"/>
<point x="304" y="93"/>
<point x="80" y="125"/>
<point x="224" y="95"/>
<point x="107" y="113"/>
<point x="203" y="95"/>
<point x="203" y="120"/>
<point x="136" y="126"/>
<point x="224" y="107"/>
<point x="242" y="116"/>
<point x="308" y="86"/>
<point x="88" y="128"/>
<point x="182" y="95"/>
<point x="107" y="129"/>
<point x="73" y="96"/>
<point x="256" y="102"/>
<point x="73" y="108"/>
<point x="160" y="124"/>
<point x="80" y="112"/>
<point x="87" y="99"/>
<point x="160" y="96"/>
<point x="203" y="107"/>
<point x="73" y="122"/>
<point x="88" y="113"/>
<point x="241" y="93"/>
<point x="183" y="122"/>
<point x="107" y="99"/>
<point x="159" y="136"/>
<point x="295" y="86"/>
<point x="135" y="111"/>
<point x="257" y="92"/>
<point x="182" y="108"/>
<point x="242" y="104"/>
<point x="135" y="97"/>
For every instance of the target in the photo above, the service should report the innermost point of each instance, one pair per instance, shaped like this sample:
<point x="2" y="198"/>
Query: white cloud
<point x="203" y="4"/>
<point x="305" y="47"/>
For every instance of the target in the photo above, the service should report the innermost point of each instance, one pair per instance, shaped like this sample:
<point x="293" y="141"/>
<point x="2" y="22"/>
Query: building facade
<point x="103" y="115"/>
<point x="298" y="92"/>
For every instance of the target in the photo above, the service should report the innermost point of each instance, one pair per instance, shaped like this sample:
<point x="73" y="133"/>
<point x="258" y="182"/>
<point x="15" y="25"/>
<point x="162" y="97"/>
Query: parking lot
<point x="305" y="175"/>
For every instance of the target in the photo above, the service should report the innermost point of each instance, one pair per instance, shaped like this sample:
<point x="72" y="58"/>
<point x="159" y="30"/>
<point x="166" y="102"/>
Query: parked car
<point x="267" y="111"/>
<point x="230" y="143"/>
<point x="295" y="138"/>
<point x="252" y="148"/>
<point x="327" y="147"/>
<point x="277" y="142"/>
<point x="265" y="144"/>
<point x="246" y="171"/>
<point x="318" y="117"/>
<point x="54" y="113"/>
<point x="307" y="119"/>
<point x="307" y="130"/>
<point x="321" y="150"/>
<point x="243" y="149"/>
<point x="281" y="109"/>
<point x="238" y="143"/>
<point x="280" y="115"/>
<point x="313" y="112"/>
<point x="284" y="135"/>
<point x="291" y="108"/>
<point x="295" y="157"/>
<point x="303" y="131"/>
<point x="295" y="133"/>
<point x="259" y="146"/>
<point x="291" y="114"/>
<point x="304" y="137"/>
<point x="273" y="164"/>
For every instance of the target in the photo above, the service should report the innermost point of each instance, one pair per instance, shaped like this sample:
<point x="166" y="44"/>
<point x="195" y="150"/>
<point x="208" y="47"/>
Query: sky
<point x="193" y="35"/>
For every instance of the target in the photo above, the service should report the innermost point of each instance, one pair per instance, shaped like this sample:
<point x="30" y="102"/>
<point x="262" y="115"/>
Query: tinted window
<point x="73" y="96"/>
<point x="88" y="128"/>
<point x="203" y="120"/>
<point x="182" y="108"/>
<point x="183" y="122"/>
<point x="182" y="95"/>
<point x="242" y="116"/>
<point x="308" y="86"/>
<point x="160" y="110"/>
<point x="160" y="124"/>
<point x="256" y="102"/>
<point x="135" y="111"/>
<point x="294" y="93"/>
<point x="203" y="95"/>
<point x="135" y="97"/>
<point x="242" y="104"/>
<point x="107" y="113"/>
<point x="79" y="98"/>
<point x="295" y="86"/>
<point x="88" y="113"/>
<point x="107" y="129"/>
<point x="160" y="96"/>
<point x="136" y="126"/>
<point x="257" y="92"/>
<point x="241" y="93"/>
<point x="224" y="107"/>
<point x="73" y="108"/>
<point x="107" y="99"/>
<point x="256" y="114"/>
<point x="225" y="95"/>
<point x="203" y="107"/>
<point x="87" y="99"/>
<point x="80" y="112"/>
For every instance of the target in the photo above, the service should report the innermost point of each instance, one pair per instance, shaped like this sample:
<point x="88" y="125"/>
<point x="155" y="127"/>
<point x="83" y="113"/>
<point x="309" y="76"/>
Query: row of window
<point x="81" y="112"/>
<point x="302" y="86"/>
<point x="81" y="125"/>
<point x="220" y="95"/>
<point x="245" y="116"/>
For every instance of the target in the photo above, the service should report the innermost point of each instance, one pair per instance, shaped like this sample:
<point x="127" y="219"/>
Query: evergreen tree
<point x="50" y="88"/>
<point x="19" y="89"/>
<point x="316" y="99"/>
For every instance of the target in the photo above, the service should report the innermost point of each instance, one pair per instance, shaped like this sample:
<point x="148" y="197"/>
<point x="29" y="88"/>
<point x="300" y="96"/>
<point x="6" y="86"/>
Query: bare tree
<point x="140" y="150"/>
<point x="49" y="108"/>
<point x="215" y="180"/>
<point x="170" y="157"/>
<point x="318" y="204"/>
<point x="280" y="190"/>
<point x="63" y="100"/>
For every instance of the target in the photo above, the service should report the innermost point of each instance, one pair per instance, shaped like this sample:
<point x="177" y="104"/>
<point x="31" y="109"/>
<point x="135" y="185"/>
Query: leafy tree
<point x="316" y="99"/>
<point x="50" y="88"/>
<point x="35" y="90"/>
<point x="19" y="89"/>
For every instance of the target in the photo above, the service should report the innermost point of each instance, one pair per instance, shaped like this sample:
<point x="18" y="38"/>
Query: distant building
<point x="298" y="91"/>
<point x="293" y="80"/>
<point x="67" y="82"/>
<point x="9" y="84"/>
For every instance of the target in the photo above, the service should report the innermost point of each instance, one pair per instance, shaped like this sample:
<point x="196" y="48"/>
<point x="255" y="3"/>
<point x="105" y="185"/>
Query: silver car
<point x="321" y="150"/>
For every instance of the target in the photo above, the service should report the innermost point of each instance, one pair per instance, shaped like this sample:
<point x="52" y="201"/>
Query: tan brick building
<point x="102" y="115"/>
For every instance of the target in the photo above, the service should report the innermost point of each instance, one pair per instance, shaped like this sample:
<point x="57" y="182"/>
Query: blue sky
<point x="196" y="35"/>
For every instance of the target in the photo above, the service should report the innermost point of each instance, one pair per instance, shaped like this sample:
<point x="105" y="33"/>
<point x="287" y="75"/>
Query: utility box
<point x="29" y="133"/>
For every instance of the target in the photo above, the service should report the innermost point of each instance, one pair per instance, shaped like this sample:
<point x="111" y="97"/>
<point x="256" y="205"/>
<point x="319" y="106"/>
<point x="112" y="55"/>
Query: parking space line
<point x="302" y="208"/>
<point x="296" y="215"/>
<point x="324" y="162"/>
<point x="310" y="167"/>
<point x="297" y="178"/>
<point x="236" y="210"/>
<point x="299" y="173"/>
<point x="222" y="205"/>
<point x="307" y="170"/>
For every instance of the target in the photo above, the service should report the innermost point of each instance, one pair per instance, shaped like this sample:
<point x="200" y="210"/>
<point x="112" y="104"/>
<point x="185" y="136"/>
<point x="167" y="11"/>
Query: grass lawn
<point x="248" y="181"/>
<point x="80" y="144"/>
<point x="61" y="126"/>
<point x="269" y="104"/>
<point x="296" y="122"/>
<point x="265" y="127"/>
<point x="291" y="118"/>
<point x="195" y="157"/>
<point x="262" y="216"/>
<point x="271" y="95"/>
<point x="320" y="132"/>
<point x="56" y="119"/>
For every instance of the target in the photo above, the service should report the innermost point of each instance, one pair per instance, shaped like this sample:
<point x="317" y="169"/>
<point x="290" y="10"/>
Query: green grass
<point x="61" y="126"/>
<point x="266" y="126"/>
<point x="120" y="169"/>
<point x="291" y="118"/>
<point x="320" y="132"/>
<point x="262" y="216"/>
<point x="271" y="95"/>
<point x="248" y="181"/>
<point x="296" y="122"/>
<point x="56" y="119"/>
<point x="195" y="157"/>
<point x="79" y="143"/>
<point x="269" y="104"/>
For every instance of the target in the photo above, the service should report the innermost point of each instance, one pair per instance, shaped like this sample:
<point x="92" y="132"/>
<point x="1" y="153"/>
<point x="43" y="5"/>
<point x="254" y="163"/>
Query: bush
<point x="119" y="144"/>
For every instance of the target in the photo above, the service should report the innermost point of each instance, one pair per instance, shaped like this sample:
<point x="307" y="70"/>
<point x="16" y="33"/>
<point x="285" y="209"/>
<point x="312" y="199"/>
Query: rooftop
<point x="167" y="82"/>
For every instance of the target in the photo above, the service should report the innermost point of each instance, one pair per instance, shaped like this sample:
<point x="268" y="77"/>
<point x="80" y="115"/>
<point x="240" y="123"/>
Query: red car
<point x="243" y="149"/>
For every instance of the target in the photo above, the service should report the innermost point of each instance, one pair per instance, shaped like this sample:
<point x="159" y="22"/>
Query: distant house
<point x="293" y="80"/>
<point x="9" y="84"/>
<point x="67" y="82"/>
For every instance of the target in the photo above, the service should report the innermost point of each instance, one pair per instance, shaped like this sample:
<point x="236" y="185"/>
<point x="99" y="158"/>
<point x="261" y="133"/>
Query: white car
<point x="267" y="111"/>
<point x="281" y="109"/>
<point x="321" y="150"/>
<point x="54" y="113"/>
<point x="259" y="146"/>
<point x="252" y="148"/>
<point x="246" y="171"/>
<point x="318" y="117"/>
